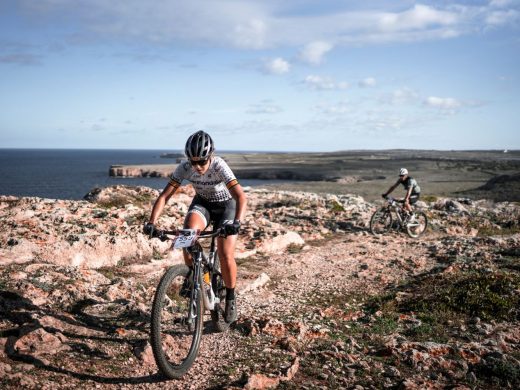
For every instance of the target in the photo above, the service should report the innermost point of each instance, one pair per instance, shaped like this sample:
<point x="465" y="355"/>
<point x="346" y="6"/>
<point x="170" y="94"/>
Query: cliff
<point x="156" y="170"/>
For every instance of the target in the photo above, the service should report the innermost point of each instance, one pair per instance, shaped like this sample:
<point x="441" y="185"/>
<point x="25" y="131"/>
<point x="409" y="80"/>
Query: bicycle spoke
<point x="380" y="222"/>
<point x="176" y="324"/>
<point x="417" y="225"/>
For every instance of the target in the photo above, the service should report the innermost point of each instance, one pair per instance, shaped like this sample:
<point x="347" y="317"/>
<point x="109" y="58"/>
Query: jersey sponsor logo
<point x="206" y="183"/>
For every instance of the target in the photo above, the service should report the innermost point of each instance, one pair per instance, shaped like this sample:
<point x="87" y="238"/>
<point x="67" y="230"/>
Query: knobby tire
<point x="381" y="221"/>
<point x="175" y="343"/>
<point x="418" y="226"/>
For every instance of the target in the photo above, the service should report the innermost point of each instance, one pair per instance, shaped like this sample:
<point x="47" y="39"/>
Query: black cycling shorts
<point x="218" y="213"/>
<point x="414" y="198"/>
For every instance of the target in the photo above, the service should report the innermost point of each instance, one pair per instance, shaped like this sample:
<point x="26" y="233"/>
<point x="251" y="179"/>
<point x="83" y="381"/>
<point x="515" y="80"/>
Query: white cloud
<point x="500" y="3"/>
<point x="259" y="24"/>
<point x="314" y="52"/>
<point x="277" y="66"/>
<point x="448" y="104"/>
<point x="324" y="83"/>
<point x="250" y="34"/>
<point x="498" y="18"/>
<point x="334" y="109"/>
<point x="368" y="82"/>
<point x="419" y="17"/>
<point x="401" y="96"/>
<point x="264" y="107"/>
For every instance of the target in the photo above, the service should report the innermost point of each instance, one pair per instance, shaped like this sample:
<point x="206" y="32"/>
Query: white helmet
<point x="403" y="171"/>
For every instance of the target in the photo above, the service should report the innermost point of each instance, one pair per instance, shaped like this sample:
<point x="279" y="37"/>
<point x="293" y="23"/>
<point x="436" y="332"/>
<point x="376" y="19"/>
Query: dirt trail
<point x="360" y="263"/>
<point x="102" y="354"/>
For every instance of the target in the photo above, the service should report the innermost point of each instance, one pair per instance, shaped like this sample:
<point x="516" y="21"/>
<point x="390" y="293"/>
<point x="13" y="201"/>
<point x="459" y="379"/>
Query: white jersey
<point x="213" y="185"/>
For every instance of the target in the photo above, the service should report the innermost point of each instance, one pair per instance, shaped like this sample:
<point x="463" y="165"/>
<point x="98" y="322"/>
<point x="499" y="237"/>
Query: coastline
<point x="367" y="173"/>
<point x="70" y="174"/>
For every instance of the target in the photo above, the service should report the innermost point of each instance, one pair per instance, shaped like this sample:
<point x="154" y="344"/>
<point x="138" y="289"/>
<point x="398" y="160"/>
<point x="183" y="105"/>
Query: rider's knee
<point x="227" y="258"/>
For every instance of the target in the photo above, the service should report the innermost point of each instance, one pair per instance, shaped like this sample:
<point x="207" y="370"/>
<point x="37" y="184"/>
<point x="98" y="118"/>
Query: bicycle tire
<point x="219" y="289"/>
<point x="418" y="225"/>
<point x="175" y="344"/>
<point x="381" y="221"/>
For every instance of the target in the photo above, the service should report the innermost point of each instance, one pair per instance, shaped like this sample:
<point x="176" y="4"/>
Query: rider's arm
<point x="240" y="196"/>
<point x="408" y="194"/>
<point x="161" y="201"/>
<point x="392" y="188"/>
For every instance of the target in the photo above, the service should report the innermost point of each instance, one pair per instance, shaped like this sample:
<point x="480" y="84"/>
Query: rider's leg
<point x="226" y="254"/>
<point x="413" y="200"/>
<point x="194" y="220"/>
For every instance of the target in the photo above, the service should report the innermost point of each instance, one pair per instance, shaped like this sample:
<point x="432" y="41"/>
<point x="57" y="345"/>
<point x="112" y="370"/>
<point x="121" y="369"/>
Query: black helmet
<point x="199" y="146"/>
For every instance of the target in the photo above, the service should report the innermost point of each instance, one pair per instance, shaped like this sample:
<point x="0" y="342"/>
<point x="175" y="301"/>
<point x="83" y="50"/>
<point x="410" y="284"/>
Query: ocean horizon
<point x="72" y="173"/>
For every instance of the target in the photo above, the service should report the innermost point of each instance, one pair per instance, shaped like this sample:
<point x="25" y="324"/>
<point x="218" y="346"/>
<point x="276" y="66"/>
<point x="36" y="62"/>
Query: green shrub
<point x="294" y="248"/>
<point x="336" y="207"/>
<point x="429" y="198"/>
<point x="485" y="295"/>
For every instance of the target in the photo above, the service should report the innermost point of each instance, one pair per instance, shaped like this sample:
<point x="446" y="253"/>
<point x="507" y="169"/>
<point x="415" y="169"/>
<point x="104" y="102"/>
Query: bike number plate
<point x="185" y="238"/>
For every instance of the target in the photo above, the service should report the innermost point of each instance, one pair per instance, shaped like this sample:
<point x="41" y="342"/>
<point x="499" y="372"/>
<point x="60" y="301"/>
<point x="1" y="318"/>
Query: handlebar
<point x="163" y="235"/>
<point x="392" y="200"/>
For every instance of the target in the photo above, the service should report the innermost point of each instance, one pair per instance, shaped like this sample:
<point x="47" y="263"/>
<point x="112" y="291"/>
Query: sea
<point x="72" y="173"/>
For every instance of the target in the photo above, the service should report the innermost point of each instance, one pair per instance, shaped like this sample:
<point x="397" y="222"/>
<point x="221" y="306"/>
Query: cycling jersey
<point x="212" y="186"/>
<point x="410" y="182"/>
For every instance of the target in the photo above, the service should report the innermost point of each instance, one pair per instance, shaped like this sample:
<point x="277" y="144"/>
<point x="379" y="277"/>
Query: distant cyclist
<point x="219" y="198"/>
<point x="413" y="191"/>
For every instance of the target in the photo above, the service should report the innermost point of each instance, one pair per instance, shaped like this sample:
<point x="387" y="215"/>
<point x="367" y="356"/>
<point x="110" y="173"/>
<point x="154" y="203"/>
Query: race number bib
<point x="185" y="238"/>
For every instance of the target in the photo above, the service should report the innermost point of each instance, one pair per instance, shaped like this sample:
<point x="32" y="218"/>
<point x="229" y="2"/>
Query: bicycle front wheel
<point x="417" y="224"/>
<point x="176" y="324"/>
<point x="381" y="221"/>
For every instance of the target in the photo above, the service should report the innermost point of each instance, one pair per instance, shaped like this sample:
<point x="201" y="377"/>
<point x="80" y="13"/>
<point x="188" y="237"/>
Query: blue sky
<point x="260" y="74"/>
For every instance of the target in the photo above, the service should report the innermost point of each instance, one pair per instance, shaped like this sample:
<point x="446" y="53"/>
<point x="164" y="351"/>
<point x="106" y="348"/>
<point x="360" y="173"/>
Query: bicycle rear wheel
<point x="175" y="338"/>
<point x="417" y="224"/>
<point x="219" y="289"/>
<point x="381" y="221"/>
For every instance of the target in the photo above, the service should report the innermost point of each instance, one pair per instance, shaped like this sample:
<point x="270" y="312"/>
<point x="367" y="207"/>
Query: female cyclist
<point x="219" y="199"/>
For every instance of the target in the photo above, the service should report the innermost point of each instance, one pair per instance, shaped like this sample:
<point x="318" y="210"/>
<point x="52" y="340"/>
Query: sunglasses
<point x="200" y="163"/>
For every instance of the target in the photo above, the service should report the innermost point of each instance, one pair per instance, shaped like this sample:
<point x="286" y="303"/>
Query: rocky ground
<point x="322" y="302"/>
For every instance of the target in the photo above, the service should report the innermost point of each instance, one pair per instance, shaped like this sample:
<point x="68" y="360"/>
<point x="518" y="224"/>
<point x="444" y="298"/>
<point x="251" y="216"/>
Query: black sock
<point x="230" y="293"/>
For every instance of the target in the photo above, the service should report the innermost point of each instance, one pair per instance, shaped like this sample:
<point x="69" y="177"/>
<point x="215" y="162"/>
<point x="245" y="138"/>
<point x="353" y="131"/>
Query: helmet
<point x="199" y="146"/>
<point x="403" y="171"/>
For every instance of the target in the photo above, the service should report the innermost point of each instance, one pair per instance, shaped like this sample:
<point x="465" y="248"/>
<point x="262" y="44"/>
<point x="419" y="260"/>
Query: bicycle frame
<point x="201" y="263"/>
<point x="395" y="206"/>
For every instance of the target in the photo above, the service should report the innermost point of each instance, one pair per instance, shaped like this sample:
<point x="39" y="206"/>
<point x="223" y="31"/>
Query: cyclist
<point x="219" y="198"/>
<point x="413" y="191"/>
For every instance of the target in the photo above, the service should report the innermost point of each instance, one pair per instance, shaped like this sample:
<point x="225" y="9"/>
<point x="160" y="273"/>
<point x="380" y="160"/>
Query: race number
<point x="185" y="238"/>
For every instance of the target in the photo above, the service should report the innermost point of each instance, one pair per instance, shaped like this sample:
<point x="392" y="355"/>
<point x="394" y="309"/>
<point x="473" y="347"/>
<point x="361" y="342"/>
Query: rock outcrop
<point x="157" y="170"/>
<point x="322" y="302"/>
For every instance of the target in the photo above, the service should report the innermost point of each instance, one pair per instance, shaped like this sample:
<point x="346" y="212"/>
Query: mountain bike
<point x="383" y="219"/>
<point x="182" y="297"/>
